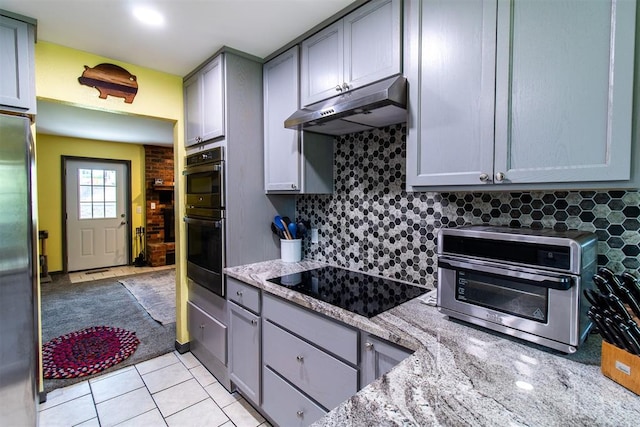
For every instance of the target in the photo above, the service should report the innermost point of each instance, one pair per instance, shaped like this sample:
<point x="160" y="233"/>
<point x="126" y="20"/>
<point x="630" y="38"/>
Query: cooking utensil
<point x="277" y="231"/>
<point x="279" y="222"/>
<point x="293" y="230"/>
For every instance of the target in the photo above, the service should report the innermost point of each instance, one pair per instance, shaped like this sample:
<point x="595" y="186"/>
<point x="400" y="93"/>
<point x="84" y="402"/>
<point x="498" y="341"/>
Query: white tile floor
<point x="170" y="390"/>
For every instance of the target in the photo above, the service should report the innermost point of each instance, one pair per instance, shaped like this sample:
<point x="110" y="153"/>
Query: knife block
<point x="621" y="366"/>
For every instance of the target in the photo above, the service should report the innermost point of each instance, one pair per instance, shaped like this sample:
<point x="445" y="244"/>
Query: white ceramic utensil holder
<point x="291" y="250"/>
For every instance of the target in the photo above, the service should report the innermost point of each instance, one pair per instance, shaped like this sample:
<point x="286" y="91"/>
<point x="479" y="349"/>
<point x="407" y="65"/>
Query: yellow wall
<point x="159" y="95"/>
<point x="50" y="185"/>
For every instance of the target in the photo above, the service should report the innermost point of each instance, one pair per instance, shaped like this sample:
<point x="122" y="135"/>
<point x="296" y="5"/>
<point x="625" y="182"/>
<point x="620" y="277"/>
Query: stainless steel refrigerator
<point x="18" y="275"/>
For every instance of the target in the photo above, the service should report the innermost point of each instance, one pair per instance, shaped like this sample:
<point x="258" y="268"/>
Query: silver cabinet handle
<point x="338" y="88"/>
<point x="123" y="223"/>
<point x="369" y="346"/>
<point x="293" y="186"/>
<point x="239" y="293"/>
<point x="499" y="177"/>
<point x="345" y="86"/>
<point x="300" y="359"/>
<point x="300" y="414"/>
<point x="484" y="177"/>
<point x="202" y="326"/>
<point x="254" y="322"/>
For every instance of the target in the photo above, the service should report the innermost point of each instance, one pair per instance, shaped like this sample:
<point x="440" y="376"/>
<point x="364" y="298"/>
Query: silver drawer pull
<point x="254" y="322"/>
<point x="239" y="293"/>
<point x="338" y="88"/>
<point x="369" y="346"/>
<point x="300" y="414"/>
<point x="300" y="359"/>
<point x="202" y="326"/>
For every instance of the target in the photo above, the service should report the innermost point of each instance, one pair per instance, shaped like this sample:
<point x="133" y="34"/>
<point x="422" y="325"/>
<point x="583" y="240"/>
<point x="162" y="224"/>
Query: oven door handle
<point x="561" y="283"/>
<point x="216" y="167"/>
<point x="205" y="222"/>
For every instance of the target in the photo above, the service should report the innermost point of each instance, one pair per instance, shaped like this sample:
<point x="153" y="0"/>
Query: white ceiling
<point x="193" y="31"/>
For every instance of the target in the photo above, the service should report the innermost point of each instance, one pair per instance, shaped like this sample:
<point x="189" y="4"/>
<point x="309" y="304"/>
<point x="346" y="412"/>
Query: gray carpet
<point x="68" y="307"/>
<point x="156" y="292"/>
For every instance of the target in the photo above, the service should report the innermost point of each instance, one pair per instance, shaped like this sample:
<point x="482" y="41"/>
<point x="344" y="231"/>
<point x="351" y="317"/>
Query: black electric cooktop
<point x="357" y="292"/>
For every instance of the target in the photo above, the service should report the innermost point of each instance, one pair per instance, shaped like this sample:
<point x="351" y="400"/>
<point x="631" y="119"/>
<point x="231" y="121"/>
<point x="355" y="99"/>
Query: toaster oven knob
<point x="484" y="177"/>
<point x="499" y="177"/>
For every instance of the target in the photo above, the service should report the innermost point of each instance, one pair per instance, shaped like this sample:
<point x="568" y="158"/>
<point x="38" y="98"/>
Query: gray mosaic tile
<point x="372" y="224"/>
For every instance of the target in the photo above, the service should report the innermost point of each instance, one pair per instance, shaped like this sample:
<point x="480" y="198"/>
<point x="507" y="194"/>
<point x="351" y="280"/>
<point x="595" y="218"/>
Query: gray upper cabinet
<point x="281" y="145"/>
<point x="294" y="162"/>
<point x="361" y="48"/>
<point x="204" y="103"/>
<point x="524" y="92"/>
<point x="17" y="85"/>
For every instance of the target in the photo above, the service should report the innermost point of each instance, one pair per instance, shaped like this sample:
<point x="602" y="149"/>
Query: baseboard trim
<point x="182" y="348"/>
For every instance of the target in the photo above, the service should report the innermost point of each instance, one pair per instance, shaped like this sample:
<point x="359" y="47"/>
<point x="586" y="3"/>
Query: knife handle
<point x="615" y="333"/>
<point x="632" y="343"/>
<point x="602" y="284"/>
<point x="616" y="305"/>
<point x="597" y="319"/>
<point x="626" y="296"/>
<point x="631" y="282"/>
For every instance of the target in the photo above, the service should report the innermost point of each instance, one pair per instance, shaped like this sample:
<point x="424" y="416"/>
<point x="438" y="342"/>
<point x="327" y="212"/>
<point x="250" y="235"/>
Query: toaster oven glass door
<point x="515" y="296"/>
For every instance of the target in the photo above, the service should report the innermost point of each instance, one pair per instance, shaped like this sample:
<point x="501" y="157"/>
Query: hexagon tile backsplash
<point x="371" y="223"/>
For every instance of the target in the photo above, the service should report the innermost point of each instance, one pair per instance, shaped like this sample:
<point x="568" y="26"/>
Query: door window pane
<point x="97" y="193"/>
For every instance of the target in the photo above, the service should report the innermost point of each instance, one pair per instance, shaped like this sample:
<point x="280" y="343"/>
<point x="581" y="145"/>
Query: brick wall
<point x="158" y="165"/>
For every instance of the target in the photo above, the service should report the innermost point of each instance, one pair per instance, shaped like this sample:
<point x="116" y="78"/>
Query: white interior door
<point x="96" y="214"/>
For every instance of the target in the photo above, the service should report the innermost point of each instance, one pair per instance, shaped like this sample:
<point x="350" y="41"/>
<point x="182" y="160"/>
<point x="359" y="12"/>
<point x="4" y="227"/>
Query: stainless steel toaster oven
<point x="522" y="282"/>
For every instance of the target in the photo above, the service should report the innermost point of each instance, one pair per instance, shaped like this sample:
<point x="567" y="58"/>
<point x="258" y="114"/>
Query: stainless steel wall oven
<point x="205" y="228"/>
<point x="522" y="282"/>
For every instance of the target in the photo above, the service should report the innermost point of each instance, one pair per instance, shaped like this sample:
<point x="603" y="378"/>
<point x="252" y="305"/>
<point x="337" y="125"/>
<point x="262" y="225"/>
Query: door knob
<point x="369" y="346"/>
<point x="123" y="222"/>
<point x="484" y="177"/>
<point x="338" y="88"/>
<point x="345" y="86"/>
<point x="300" y="359"/>
<point x="499" y="177"/>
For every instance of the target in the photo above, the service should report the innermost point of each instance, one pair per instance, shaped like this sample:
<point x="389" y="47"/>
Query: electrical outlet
<point x="153" y="206"/>
<point x="139" y="209"/>
<point x="314" y="235"/>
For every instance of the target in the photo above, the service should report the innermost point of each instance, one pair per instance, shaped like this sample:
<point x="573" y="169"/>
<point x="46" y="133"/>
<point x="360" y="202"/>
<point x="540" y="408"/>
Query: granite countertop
<point x="461" y="374"/>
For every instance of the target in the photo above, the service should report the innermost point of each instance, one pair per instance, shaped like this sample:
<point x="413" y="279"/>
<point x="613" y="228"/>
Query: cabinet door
<point x="450" y="60"/>
<point x="212" y="77"/>
<point x="378" y="358"/>
<point x="322" y="65"/>
<point x="209" y="332"/>
<point x="16" y="66"/>
<point x="281" y="145"/>
<point x="244" y="351"/>
<point x="193" y="110"/>
<point x="564" y="90"/>
<point x="372" y="43"/>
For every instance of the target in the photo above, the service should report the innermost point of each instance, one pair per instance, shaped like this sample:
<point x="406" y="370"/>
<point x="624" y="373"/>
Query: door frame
<point x="127" y="195"/>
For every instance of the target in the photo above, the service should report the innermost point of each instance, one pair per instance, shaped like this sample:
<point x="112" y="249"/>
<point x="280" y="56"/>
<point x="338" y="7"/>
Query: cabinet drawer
<point x="243" y="294"/>
<point x="286" y="405"/>
<point x="323" y="377"/>
<point x="338" y="339"/>
<point x="210" y="333"/>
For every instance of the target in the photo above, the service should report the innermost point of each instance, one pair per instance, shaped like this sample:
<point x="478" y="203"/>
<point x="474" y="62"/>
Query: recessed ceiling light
<point x="148" y="16"/>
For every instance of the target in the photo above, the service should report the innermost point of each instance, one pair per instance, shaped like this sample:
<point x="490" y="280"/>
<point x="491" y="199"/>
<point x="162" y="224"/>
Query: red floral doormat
<point x="87" y="351"/>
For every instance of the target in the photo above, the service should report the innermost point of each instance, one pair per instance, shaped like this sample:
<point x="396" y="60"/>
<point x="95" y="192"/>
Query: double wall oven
<point x="204" y="218"/>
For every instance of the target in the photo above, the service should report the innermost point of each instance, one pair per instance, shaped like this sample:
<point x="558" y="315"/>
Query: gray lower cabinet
<point x="309" y="358"/>
<point x="206" y="333"/>
<point x="285" y="404"/>
<point x="17" y="84"/>
<point x="378" y="358"/>
<point x="244" y="351"/>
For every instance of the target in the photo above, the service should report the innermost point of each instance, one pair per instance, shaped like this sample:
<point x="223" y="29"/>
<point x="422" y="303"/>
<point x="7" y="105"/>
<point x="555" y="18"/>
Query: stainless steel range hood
<point x="377" y="105"/>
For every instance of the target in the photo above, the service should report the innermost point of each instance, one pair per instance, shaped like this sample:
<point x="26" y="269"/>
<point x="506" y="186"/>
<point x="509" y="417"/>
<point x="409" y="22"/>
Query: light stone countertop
<point x="463" y="375"/>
